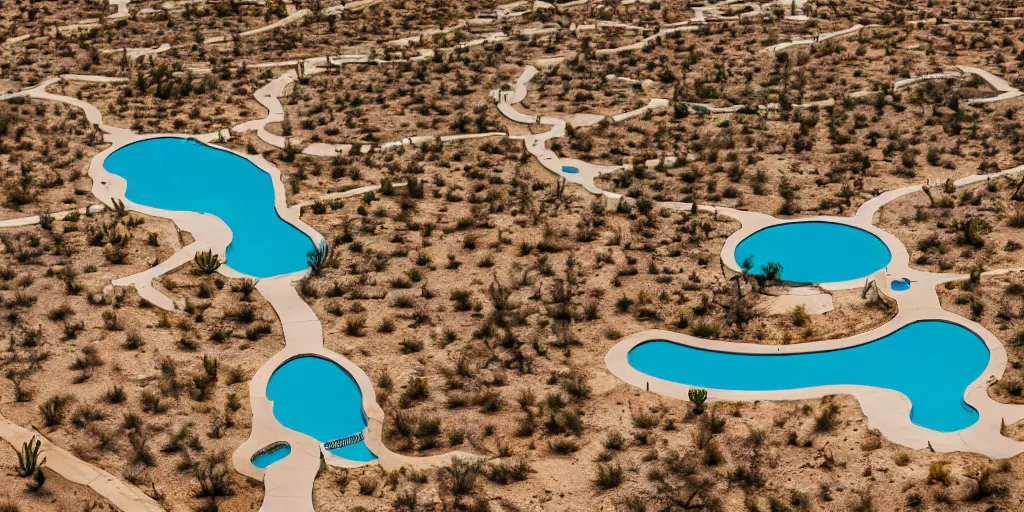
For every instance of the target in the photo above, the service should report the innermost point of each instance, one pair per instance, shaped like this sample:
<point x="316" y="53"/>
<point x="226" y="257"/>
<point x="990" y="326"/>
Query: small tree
<point x="697" y="398"/>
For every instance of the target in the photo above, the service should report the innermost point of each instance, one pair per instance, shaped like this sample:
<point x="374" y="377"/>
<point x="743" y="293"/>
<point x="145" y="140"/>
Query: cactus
<point x="28" y="457"/>
<point x="698" y="397"/>
<point x="119" y="207"/>
<point x="207" y="261"/>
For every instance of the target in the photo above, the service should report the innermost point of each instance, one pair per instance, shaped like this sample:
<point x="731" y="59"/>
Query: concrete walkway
<point x="536" y="144"/>
<point x="32" y="220"/>
<point x="818" y="38"/>
<point x="643" y="43"/>
<point x="269" y="96"/>
<point x="135" y="53"/>
<point x="1005" y="90"/>
<point x="944" y="75"/>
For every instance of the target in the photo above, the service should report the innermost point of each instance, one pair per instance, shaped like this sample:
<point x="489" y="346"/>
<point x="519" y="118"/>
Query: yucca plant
<point x="207" y="261"/>
<point x="697" y="398"/>
<point x="317" y="258"/>
<point x="28" y="457"/>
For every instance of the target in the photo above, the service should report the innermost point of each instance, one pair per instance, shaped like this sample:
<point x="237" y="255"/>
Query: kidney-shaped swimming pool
<point x="179" y="174"/>
<point x="932" y="362"/>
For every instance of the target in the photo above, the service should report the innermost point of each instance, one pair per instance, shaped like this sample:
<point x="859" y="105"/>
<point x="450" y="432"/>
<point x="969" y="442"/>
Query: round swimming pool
<point x="569" y="169"/>
<point x="815" y="252"/>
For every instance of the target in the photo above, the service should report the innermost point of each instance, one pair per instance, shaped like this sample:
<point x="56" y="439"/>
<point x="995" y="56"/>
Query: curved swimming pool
<point x="815" y="252"/>
<point x="181" y="174"/>
<point x="317" y="397"/>
<point x="931" y="362"/>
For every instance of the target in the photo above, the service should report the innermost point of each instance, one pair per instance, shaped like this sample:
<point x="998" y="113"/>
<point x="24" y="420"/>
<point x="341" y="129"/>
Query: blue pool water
<point x="318" y="398"/>
<point x="268" y="458"/>
<point x="900" y="285"/>
<point x="815" y="252"/>
<point x="569" y="170"/>
<point x="185" y="175"/>
<point x="931" y="362"/>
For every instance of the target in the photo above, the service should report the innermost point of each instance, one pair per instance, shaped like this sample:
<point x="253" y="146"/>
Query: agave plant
<point x="698" y="397"/>
<point x="28" y="457"/>
<point x="318" y="257"/>
<point x="207" y="261"/>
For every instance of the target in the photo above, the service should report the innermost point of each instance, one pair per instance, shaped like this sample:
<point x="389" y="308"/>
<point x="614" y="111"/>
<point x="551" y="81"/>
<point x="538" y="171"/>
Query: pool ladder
<point x="344" y="441"/>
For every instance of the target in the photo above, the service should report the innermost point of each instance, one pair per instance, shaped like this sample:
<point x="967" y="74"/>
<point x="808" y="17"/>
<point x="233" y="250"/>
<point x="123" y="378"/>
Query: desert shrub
<point x="608" y="476"/>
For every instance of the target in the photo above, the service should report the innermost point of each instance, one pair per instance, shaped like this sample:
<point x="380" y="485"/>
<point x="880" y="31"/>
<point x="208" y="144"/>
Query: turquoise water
<point x="318" y="398"/>
<point x="185" y="175"/>
<point x="815" y="252"/>
<point x="268" y="458"/>
<point x="931" y="362"/>
<point x="569" y="170"/>
<point x="900" y="285"/>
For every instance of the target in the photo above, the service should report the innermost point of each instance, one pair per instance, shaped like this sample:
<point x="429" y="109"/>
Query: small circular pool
<point x="815" y="252"/>
<point x="900" y="285"/>
<point x="569" y="169"/>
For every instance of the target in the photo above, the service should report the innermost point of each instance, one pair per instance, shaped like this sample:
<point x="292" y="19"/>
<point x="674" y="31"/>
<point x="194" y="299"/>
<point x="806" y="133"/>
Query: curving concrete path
<point x="825" y="36"/>
<point x="135" y="53"/>
<point x="536" y="144"/>
<point x="122" y="495"/>
<point x="269" y="97"/>
<point x="32" y="220"/>
<point x="60" y="461"/>
<point x="944" y="75"/>
<point x="643" y="43"/>
<point x="1005" y="90"/>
